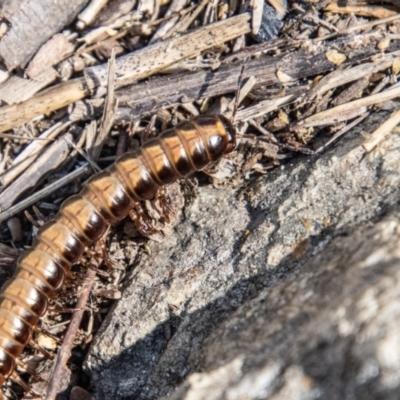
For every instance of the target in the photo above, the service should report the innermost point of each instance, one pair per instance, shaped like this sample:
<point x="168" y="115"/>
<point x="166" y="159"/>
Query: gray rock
<point x="286" y="286"/>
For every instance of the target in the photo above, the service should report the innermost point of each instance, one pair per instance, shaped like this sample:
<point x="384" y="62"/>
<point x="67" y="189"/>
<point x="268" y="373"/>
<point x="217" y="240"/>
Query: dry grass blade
<point x="342" y="131"/>
<point x="31" y="152"/>
<point x="110" y="110"/>
<point x="335" y="112"/>
<point x="53" y="157"/>
<point x="265" y="107"/>
<point x="361" y="27"/>
<point x="78" y="173"/>
<point x="382" y="131"/>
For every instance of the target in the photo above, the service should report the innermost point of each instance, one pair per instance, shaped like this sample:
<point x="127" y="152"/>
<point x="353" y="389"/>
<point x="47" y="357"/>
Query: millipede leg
<point x="211" y="170"/>
<point x="165" y="203"/>
<point x="102" y="252"/>
<point x="99" y="254"/>
<point x="17" y="379"/>
<point x="142" y="220"/>
<point x="23" y="367"/>
<point x="99" y="271"/>
<point x="44" y="352"/>
<point x="41" y="330"/>
<point x="145" y="136"/>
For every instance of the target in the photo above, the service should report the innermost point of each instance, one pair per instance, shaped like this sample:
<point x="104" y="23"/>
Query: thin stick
<point x="356" y="28"/>
<point x="65" y="351"/>
<point x="44" y="192"/>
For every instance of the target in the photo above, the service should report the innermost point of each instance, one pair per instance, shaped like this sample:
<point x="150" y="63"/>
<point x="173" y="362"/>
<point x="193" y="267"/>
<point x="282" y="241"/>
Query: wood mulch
<point x="81" y="81"/>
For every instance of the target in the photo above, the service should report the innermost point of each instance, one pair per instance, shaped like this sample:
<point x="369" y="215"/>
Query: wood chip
<point x="88" y="15"/>
<point x="112" y="11"/>
<point x="335" y="57"/>
<point x="396" y="66"/>
<point x="55" y="50"/>
<point x="16" y="90"/>
<point x="257" y="14"/>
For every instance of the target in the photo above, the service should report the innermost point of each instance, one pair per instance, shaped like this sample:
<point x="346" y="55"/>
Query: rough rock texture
<point x="285" y="287"/>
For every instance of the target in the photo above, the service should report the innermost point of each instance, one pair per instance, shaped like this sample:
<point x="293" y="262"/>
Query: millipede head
<point x="230" y="132"/>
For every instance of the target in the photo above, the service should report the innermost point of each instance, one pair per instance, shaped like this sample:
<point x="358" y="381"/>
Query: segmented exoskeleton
<point x="106" y="198"/>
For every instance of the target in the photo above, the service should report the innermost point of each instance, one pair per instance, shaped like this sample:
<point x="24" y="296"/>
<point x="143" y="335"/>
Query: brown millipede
<point x="82" y="219"/>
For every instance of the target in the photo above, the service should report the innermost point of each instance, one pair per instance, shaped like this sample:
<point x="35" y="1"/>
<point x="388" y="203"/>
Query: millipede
<point x="108" y="197"/>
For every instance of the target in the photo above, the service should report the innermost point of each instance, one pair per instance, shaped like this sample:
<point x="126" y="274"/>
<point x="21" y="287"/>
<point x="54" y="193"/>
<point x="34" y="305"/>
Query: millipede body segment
<point x="107" y="198"/>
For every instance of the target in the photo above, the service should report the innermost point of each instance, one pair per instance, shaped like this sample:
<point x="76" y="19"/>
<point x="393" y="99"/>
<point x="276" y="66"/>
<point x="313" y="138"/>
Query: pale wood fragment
<point x="264" y="107"/>
<point x="89" y="13"/>
<point x="4" y="75"/>
<point x="49" y="100"/>
<point x="16" y="90"/>
<point x="112" y="11"/>
<point x="279" y="6"/>
<point x="55" y="50"/>
<point x="256" y="15"/>
<point x="383" y="130"/>
<point x="244" y="91"/>
<point x="328" y="116"/>
<point x="362" y="10"/>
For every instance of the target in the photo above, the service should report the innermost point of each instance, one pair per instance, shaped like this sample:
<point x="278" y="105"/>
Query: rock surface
<point x="284" y="287"/>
